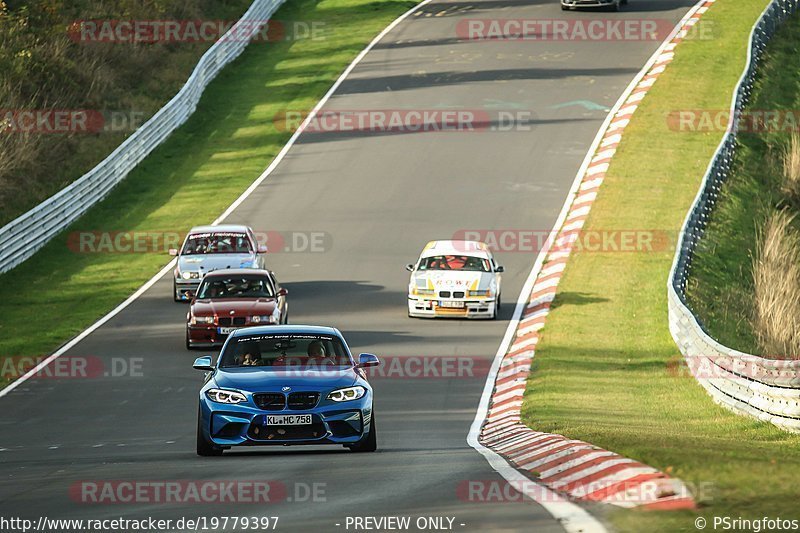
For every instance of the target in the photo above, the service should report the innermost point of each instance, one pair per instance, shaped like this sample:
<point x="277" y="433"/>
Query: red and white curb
<point x="575" y="468"/>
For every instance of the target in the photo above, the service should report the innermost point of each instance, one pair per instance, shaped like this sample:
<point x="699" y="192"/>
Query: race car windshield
<point x="217" y="288"/>
<point x="217" y="243"/>
<point x="455" y="262"/>
<point x="274" y="353"/>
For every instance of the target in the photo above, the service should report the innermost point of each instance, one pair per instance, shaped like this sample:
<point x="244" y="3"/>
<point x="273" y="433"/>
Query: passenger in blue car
<point x="251" y="360"/>
<point x="317" y="355"/>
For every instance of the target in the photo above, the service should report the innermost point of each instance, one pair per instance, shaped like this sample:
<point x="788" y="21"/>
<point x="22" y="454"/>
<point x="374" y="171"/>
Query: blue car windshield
<point x="282" y="352"/>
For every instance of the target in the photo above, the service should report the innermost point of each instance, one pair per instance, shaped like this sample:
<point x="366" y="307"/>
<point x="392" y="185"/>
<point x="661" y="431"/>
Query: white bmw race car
<point x="456" y="279"/>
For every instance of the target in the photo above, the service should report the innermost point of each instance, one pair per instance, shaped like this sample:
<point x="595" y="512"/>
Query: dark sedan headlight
<point x="225" y="396"/>
<point x="345" y="395"/>
<point x="202" y="320"/>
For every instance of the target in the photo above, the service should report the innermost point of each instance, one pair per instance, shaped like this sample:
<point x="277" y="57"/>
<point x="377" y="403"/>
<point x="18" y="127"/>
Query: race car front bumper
<point x="210" y="335"/>
<point x="245" y="425"/>
<point x="472" y="308"/>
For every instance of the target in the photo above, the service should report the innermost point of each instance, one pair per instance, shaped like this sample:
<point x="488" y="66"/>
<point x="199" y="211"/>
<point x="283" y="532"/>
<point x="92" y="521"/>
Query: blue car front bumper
<point x="244" y="424"/>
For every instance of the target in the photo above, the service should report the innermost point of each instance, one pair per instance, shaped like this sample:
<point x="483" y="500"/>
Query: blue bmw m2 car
<point x="282" y="385"/>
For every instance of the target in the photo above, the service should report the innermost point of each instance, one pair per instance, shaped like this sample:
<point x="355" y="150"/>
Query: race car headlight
<point x="263" y="319"/>
<point x="423" y="292"/>
<point x="225" y="396"/>
<point x="202" y="320"/>
<point x="487" y="292"/>
<point x="345" y="395"/>
<point x="190" y="275"/>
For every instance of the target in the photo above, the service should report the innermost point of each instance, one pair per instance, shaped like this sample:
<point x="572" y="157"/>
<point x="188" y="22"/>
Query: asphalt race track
<point x="380" y="198"/>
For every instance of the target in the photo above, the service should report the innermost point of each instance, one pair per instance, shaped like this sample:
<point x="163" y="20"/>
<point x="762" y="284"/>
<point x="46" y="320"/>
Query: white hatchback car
<point x="455" y="279"/>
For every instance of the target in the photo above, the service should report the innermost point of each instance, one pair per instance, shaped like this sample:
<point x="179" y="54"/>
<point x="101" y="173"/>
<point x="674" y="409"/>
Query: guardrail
<point x="23" y="236"/>
<point x="747" y="384"/>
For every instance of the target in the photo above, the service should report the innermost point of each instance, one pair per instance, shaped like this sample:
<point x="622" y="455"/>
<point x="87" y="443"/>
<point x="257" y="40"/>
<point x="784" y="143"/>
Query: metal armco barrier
<point x="23" y="236"/>
<point x="747" y="384"/>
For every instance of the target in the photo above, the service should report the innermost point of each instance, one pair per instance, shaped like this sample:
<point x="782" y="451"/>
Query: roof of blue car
<point x="290" y="328"/>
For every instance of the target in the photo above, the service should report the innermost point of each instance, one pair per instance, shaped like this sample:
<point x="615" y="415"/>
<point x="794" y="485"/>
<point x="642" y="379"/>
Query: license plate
<point x="454" y="304"/>
<point x="288" y="420"/>
<point x="225" y="331"/>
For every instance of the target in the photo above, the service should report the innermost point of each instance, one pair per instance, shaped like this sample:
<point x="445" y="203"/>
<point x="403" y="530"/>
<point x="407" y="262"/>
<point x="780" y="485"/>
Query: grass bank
<point x="605" y="369"/>
<point x="721" y="287"/>
<point x="191" y="178"/>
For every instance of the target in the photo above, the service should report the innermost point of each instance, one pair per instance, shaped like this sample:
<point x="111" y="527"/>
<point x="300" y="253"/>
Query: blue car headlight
<point x="225" y="396"/>
<point x="345" y="395"/>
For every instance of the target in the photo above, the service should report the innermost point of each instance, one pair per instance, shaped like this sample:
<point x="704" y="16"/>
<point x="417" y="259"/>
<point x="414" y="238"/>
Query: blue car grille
<point x="303" y="400"/>
<point x="270" y="401"/>
<point x="276" y="401"/>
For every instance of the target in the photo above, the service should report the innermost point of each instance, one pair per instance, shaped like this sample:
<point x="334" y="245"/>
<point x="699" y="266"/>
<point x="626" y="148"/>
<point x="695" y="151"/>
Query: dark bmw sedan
<point x="284" y="385"/>
<point x="231" y="299"/>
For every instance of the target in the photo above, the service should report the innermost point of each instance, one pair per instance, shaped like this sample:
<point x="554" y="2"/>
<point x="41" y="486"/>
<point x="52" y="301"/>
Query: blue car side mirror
<point x="203" y="363"/>
<point x="367" y="359"/>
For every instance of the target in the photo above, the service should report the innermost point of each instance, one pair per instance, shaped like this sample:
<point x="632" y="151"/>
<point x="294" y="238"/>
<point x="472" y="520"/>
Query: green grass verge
<point x="721" y="288"/>
<point x="191" y="178"/>
<point x="604" y="367"/>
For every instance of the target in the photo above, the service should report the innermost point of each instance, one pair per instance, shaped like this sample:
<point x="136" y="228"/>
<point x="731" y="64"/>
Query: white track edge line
<point x="573" y="518"/>
<point x="88" y="331"/>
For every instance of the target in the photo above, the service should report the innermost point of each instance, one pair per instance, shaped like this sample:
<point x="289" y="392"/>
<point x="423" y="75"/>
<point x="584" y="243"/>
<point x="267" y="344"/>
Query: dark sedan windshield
<point x="217" y="243"/>
<point x="219" y="287"/>
<point x="285" y="352"/>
